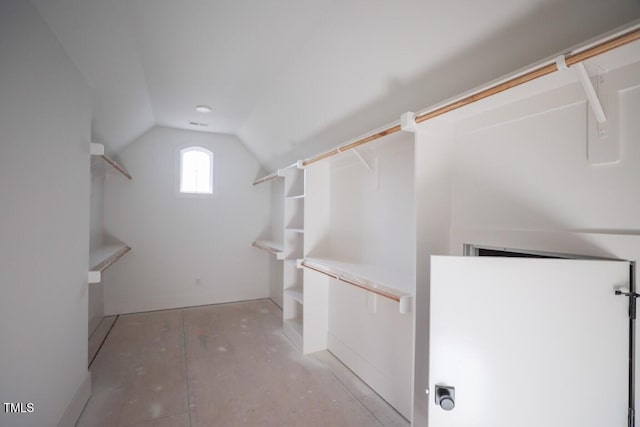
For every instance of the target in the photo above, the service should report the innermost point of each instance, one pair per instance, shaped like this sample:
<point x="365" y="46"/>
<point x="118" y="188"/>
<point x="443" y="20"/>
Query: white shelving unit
<point x="272" y="239"/>
<point x="359" y="263"/>
<point x="104" y="251"/>
<point x="105" y="255"/>
<point x="292" y="283"/>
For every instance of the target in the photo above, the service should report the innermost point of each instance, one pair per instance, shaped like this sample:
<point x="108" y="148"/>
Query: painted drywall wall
<point x="186" y="251"/>
<point x="45" y="128"/>
<point x="433" y="219"/>
<point x="372" y="221"/>
<point x="372" y="212"/>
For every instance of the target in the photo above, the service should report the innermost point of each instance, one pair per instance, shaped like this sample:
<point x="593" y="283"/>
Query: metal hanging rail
<point x="570" y="59"/>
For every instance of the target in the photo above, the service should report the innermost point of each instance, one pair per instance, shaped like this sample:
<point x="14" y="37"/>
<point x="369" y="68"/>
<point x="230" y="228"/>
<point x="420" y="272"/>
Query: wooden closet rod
<point x="371" y="289"/>
<point x="113" y="163"/>
<point x="570" y="59"/>
<point x="266" y="178"/>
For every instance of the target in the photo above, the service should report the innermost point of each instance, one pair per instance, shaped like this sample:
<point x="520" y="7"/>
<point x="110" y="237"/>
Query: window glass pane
<point x="195" y="171"/>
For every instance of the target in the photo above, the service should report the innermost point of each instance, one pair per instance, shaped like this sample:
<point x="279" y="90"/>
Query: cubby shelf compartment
<point x="97" y="153"/>
<point x="296" y="293"/>
<point x="292" y="329"/>
<point x="293" y="262"/>
<point x="364" y="276"/>
<point x="271" y="247"/>
<point x="102" y="258"/>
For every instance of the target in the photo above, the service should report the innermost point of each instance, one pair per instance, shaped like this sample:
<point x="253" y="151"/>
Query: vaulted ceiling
<point x="294" y="77"/>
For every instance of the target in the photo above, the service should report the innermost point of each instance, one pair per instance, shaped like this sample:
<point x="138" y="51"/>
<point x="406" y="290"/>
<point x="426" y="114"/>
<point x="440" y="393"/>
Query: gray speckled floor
<point x="223" y="365"/>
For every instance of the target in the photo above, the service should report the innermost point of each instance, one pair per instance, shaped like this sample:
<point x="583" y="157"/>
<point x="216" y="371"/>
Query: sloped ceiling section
<point x="97" y="36"/>
<point x="294" y="77"/>
<point x="374" y="60"/>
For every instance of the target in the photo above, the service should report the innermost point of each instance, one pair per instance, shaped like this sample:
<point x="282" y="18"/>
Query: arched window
<point x="196" y="170"/>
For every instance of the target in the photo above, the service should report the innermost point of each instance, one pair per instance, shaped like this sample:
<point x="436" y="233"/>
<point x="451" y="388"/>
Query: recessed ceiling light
<point x="203" y="109"/>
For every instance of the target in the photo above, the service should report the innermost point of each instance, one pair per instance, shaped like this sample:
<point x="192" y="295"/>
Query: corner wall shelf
<point x="367" y="277"/>
<point x="270" y="246"/>
<point x="104" y="257"/>
<point x="97" y="151"/>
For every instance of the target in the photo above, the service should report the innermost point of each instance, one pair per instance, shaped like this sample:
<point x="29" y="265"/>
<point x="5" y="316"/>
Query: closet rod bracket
<point x="408" y="122"/>
<point x="362" y="160"/>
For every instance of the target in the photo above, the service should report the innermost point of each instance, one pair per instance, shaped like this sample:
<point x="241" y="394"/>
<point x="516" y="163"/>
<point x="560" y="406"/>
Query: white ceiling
<point x="294" y="77"/>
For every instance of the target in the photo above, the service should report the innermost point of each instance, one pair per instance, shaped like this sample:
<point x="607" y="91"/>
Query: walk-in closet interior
<point x="319" y="213"/>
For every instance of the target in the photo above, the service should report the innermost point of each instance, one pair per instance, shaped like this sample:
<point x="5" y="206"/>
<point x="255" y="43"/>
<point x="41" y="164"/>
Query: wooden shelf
<point x="103" y="257"/>
<point x="269" y="246"/>
<point x="296" y="293"/>
<point x="99" y="158"/>
<point x="371" y="278"/>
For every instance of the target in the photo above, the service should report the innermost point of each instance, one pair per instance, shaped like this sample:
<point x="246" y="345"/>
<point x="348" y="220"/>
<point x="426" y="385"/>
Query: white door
<point x="528" y="342"/>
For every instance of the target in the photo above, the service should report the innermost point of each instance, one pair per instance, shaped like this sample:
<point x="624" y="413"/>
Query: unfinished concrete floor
<point x="222" y="365"/>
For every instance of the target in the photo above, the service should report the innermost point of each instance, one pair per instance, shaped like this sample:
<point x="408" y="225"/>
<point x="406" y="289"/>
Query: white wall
<point x="177" y="240"/>
<point x="372" y="214"/>
<point x="45" y="119"/>
<point x="433" y="220"/>
<point x="372" y="221"/>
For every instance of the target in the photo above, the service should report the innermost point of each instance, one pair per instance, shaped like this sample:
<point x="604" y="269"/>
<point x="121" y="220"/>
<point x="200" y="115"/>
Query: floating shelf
<point x="371" y="278"/>
<point x="266" y="178"/>
<point x="97" y="151"/>
<point x="270" y="246"/>
<point x="296" y="293"/>
<point x="102" y="258"/>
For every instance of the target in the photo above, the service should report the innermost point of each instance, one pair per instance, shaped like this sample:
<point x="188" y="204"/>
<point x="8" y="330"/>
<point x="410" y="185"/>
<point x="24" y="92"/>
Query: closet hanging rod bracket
<point x="587" y="86"/>
<point x="408" y="122"/>
<point x="362" y="160"/>
<point x="561" y="63"/>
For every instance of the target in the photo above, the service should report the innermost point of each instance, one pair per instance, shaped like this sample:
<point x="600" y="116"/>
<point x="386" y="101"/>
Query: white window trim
<point x="178" y="171"/>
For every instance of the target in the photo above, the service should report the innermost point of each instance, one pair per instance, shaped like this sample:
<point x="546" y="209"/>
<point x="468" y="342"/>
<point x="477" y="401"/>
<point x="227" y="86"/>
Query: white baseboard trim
<point x="382" y="383"/>
<point x="139" y="304"/>
<point x="77" y="404"/>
